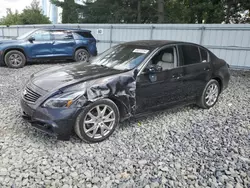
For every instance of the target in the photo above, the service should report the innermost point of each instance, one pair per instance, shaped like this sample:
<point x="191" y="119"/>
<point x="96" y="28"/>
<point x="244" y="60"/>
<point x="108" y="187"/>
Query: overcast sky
<point x="14" y="5"/>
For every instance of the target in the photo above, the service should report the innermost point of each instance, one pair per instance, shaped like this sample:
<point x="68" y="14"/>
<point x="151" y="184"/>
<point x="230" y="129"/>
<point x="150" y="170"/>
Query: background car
<point x="130" y="79"/>
<point x="48" y="44"/>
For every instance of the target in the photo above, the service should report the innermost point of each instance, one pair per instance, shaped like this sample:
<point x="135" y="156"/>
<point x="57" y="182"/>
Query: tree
<point x="199" y="11"/>
<point x="165" y="11"/>
<point x="30" y="15"/>
<point x="234" y="11"/>
<point x="33" y="15"/>
<point x="69" y="10"/>
<point x="122" y="11"/>
<point x="11" y="18"/>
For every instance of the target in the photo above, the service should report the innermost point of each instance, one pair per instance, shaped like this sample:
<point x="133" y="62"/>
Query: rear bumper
<point x="57" y="122"/>
<point x="94" y="53"/>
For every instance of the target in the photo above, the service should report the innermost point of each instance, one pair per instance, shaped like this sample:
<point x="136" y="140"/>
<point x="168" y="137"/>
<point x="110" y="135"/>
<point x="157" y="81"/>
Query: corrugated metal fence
<point x="229" y="42"/>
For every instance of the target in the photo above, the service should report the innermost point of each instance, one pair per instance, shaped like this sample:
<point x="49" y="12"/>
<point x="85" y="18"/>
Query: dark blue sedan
<point x="128" y="80"/>
<point x="48" y="44"/>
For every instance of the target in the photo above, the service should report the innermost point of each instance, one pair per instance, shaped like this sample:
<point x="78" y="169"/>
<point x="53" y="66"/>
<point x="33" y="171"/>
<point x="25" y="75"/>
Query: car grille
<point x="30" y="95"/>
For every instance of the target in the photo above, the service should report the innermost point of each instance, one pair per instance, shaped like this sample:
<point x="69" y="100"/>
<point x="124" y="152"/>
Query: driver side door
<point x="161" y="88"/>
<point x="41" y="46"/>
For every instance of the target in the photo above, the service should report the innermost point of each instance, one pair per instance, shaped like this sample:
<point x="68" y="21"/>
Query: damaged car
<point x="128" y="80"/>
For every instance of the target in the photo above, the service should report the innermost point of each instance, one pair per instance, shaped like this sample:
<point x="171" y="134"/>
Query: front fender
<point x="16" y="47"/>
<point x="119" y="88"/>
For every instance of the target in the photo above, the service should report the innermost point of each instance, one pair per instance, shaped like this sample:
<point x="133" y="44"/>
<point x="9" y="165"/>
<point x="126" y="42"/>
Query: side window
<point x="41" y="35"/>
<point x="62" y="35"/>
<point x="191" y="54"/>
<point x="204" y="55"/>
<point x="85" y="34"/>
<point x="166" y="59"/>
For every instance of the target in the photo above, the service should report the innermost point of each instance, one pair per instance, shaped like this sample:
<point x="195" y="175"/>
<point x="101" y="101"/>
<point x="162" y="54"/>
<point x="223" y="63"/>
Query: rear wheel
<point x="15" y="59"/>
<point x="97" y="121"/>
<point x="81" y="55"/>
<point x="209" y="95"/>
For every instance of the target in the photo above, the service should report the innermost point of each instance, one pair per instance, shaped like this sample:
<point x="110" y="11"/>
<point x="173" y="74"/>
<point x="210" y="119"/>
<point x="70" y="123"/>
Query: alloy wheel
<point x="99" y="121"/>
<point x="211" y="95"/>
<point x="15" y="60"/>
<point x="82" y="56"/>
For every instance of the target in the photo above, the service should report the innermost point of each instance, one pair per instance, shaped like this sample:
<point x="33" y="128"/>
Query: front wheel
<point x="97" y="121"/>
<point x="81" y="55"/>
<point x="15" y="59"/>
<point x="209" y="95"/>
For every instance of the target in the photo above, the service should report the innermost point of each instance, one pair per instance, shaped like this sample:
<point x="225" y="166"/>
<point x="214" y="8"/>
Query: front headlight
<point x="64" y="100"/>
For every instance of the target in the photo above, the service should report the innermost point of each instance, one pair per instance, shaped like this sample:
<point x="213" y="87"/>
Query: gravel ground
<point x="184" y="147"/>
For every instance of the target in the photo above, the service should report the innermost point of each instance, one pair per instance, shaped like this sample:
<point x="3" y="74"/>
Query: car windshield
<point x="21" y="37"/>
<point x="122" y="57"/>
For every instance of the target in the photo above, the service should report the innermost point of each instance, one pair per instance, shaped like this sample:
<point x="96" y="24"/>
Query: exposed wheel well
<point x="122" y="109"/>
<point x="220" y="82"/>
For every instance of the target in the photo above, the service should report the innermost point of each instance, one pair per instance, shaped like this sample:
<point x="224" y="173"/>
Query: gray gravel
<point x="184" y="147"/>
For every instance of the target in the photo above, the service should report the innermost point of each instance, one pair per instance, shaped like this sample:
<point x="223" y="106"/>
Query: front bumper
<point x="1" y="59"/>
<point x="58" y="122"/>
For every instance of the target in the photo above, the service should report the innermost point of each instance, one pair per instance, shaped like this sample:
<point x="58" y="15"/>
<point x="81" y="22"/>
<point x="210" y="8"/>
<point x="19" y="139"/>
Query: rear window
<point x="204" y="55"/>
<point x="85" y="34"/>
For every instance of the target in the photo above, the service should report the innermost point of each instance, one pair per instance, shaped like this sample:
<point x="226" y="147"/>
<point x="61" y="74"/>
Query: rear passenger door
<point x="196" y="67"/>
<point x="63" y="44"/>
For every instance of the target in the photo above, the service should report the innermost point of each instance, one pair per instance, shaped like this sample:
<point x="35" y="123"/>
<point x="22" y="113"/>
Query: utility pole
<point x="138" y="11"/>
<point x="160" y="11"/>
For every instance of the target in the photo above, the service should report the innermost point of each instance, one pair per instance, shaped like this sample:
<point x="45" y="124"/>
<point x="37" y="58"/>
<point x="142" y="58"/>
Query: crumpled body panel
<point x="121" y="87"/>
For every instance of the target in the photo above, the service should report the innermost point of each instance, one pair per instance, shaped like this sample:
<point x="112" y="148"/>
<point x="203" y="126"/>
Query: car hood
<point x="61" y="76"/>
<point x="8" y="41"/>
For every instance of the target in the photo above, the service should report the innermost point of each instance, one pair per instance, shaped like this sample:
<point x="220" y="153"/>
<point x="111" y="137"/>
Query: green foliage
<point x="70" y="10"/>
<point x="30" y="15"/>
<point x="175" y="11"/>
<point x="234" y="9"/>
<point x="199" y="11"/>
<point x="33" y="15"/>
<point x="11" y="18"/>
<point x="155" y="11"/>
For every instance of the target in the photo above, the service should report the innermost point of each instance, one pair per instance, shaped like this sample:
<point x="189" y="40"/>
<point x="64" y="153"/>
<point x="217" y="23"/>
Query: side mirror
<point x="151" y="72"/>
<point x="31" y="39"/>
<point x="154" y="69"/>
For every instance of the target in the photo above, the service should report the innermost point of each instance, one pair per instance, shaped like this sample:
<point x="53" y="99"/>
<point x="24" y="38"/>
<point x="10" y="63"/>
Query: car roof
<point x="155" y="43"/>
<point x="65" y="29"/>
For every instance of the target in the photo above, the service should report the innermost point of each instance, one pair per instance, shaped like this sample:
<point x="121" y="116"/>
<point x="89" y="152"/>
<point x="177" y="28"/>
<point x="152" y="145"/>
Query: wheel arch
<point x="219" y="80"/>
<point x="81" y="47"/>
<point x="17" y="49"/>
<point x="123" y="111"/>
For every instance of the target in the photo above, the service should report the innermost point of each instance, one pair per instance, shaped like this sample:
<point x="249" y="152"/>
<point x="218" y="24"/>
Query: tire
<point x="15" y="59"/>
<point x="81" y="55"/>
<point x="86" y="124"/>
<point x="205" y="101"/>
